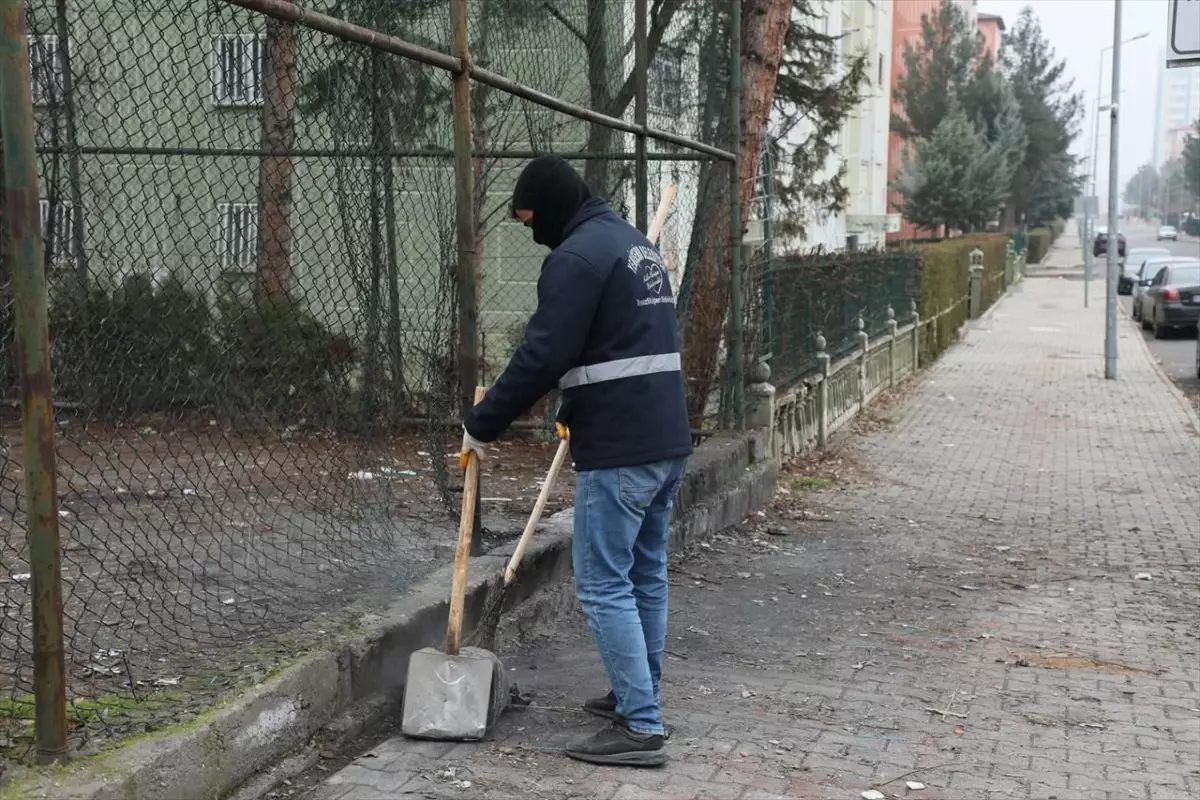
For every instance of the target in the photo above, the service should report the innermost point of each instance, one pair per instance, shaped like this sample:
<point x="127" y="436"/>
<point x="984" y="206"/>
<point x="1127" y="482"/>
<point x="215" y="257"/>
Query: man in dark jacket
<point x="605" y="334"/>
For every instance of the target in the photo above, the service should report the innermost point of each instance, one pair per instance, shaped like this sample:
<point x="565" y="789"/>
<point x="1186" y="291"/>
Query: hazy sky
<point x="1079" y="30"/>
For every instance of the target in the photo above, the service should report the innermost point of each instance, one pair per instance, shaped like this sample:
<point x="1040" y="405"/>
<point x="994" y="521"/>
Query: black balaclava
<point x="554" y="192"/>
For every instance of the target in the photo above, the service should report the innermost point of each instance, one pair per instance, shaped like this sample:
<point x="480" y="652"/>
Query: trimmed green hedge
<point x="943" y="282"/>
<point x="1038" y="244"/>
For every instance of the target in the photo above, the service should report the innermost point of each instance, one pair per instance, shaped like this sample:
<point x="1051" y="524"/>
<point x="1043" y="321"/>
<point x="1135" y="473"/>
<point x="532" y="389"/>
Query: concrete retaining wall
<point x="344" y="690"/>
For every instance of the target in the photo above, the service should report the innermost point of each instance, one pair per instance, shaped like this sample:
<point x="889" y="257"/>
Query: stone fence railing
<point x="805" y="417"/>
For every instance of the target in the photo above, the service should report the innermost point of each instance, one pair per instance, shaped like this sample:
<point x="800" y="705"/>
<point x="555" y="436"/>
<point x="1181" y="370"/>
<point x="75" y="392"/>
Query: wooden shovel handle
<point x="560" y="456"/>
<point x="462" y="553"/>
<point x="660" y="216"/>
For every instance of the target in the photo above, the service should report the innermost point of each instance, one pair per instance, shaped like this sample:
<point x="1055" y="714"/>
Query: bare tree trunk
<point x="596" y="35"/>
<point x="5" y="267"/>
<point x="275" y="168"/>
<point x="373" y="370"/>
<point x="765" y="25"/>
<point x="764" y="28"/>
<point x="8" y="365"/>
<point x="603" y="93"/>
<point x="395" y="345"/>
<point x="72" y="131"/>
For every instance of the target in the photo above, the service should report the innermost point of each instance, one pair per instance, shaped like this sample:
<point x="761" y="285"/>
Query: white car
<point x="1168" y="232"/>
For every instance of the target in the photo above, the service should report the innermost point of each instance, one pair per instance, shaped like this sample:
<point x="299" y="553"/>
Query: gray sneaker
<point x="606" y="707"/>
<point x="620" y="747"/>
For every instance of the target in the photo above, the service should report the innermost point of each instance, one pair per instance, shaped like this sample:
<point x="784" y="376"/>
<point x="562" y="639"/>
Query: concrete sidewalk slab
<point x="997" y="598"/>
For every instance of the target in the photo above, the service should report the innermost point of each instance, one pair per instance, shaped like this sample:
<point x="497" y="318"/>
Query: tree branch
<point x="566" y="23"/>
<point x="654" y="37"/>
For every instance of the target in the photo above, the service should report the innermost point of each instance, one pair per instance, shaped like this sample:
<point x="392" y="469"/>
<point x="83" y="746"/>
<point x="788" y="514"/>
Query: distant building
<point x="866" y="134"/>
<point x="862" y="27"/>
<point x="171" y="162"/>
<point x="1176" y="107"/>
<point x="906" y="29"/>
<point x="990" y="27"/>
<point x="1174" y="141"/>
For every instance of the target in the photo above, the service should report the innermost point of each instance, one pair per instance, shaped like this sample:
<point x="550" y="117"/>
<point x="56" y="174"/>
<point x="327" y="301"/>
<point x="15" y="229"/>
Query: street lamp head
<point x="1108" y="47"/>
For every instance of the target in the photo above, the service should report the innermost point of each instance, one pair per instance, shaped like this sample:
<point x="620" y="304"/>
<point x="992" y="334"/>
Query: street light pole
<point x="1099" y="102"/>
<point x="1096" y="123"/>
<point x="1114" y="233"/>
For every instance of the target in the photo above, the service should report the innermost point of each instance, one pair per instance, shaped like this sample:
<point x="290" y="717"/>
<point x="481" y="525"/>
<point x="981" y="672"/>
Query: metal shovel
<point x="455" y="694"/>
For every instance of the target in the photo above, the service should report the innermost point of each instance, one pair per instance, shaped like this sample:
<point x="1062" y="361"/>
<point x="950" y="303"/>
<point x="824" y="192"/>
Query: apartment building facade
<point x="1177" y="107"/>
<point x="168" y="145"/>
<point x="862" y="27"/>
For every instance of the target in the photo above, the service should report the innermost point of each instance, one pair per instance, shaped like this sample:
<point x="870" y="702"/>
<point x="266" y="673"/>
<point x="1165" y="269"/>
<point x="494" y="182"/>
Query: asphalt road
<point x="1177" y="354"/>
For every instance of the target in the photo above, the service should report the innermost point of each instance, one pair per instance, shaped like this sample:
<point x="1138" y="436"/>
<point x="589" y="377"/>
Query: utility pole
<point x="1114" y="234"/>
<point x="37" y="404"/>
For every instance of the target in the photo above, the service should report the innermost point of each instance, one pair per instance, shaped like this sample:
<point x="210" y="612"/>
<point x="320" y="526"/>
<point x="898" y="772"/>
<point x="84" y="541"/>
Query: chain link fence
<point x="249" y="229"/>
<point x="801" y="297"/>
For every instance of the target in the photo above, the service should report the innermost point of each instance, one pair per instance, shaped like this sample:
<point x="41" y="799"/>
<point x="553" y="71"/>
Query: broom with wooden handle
<point x="485" y="632"/>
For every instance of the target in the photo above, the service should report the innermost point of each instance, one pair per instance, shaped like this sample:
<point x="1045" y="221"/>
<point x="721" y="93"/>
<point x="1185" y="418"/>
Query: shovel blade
<point x="448" y="697"/>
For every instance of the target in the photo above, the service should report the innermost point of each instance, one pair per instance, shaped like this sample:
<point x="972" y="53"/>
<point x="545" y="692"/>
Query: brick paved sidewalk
<point x="1065" y="254"/>
<point x="970" y="612"/>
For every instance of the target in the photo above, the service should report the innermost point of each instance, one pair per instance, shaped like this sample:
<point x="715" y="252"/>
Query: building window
<point x="59" y="240"/>
<point x="239" y="63"/>
<point x="880" y="82"/>
<point x="664" y="88"/>
<point x="239" y="235"/>
<point x="45" y="70"/>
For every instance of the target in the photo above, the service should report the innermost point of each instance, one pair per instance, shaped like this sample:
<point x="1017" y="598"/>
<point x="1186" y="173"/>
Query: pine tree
<point x="948" y="72"/>
<point x="1191" y="159"/>
<point x="811" y="92"/>
<point x="935" y="178"/>
<point x="1174" y="192"/>
<point x="1142" y="190"/>
<point x="1045" y="182"/>
<point x="937" y="71"/>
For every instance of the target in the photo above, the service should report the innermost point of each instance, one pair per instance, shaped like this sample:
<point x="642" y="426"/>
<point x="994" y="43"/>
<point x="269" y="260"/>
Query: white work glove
<point x="470" y="445"/>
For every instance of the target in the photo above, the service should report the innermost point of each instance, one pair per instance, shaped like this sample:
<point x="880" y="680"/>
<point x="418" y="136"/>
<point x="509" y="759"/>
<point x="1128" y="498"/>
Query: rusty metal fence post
<point x="33" y="357"/>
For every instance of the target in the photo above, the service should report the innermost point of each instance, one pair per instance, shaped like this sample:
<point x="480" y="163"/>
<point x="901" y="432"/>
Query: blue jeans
<point x="622" y="517"/>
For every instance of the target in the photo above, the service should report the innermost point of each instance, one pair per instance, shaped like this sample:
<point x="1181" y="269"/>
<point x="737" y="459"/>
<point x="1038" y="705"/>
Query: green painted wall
<point x="144" y="79"/>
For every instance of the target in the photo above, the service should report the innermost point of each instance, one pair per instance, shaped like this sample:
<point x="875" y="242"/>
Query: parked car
<point x="1172" y="300"/>
<point x="1168" y="232"/>
<point x="1133" y="262"/>
<point x="1146" y="273"/>
<point x="1100" y="245"/>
